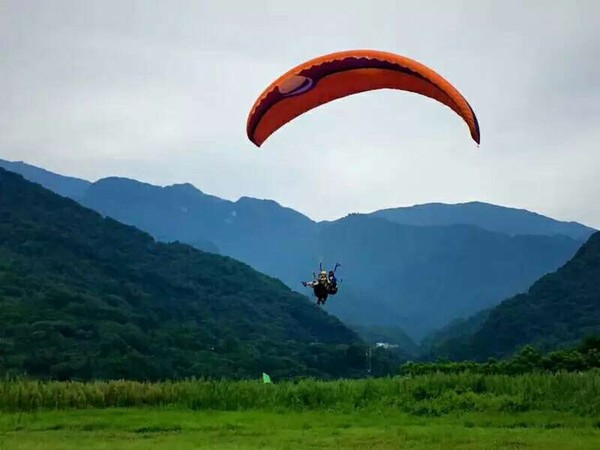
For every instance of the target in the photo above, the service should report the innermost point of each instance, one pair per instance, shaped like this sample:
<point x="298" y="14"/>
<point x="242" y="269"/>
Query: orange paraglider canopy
<point x="330" y="77"/>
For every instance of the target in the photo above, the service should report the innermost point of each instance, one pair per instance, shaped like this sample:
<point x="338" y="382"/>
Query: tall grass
<point x="432" y="395"/>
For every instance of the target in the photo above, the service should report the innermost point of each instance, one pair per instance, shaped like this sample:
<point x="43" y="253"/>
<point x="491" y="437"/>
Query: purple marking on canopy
<point x="295" y="85"/>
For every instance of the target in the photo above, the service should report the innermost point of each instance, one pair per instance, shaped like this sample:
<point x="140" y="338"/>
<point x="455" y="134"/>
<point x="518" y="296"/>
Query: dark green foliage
<point x="582" y="358"/>
<point x="85" y="297"/>
<point x="431" y="395"/>
<point x="455" y="330"/>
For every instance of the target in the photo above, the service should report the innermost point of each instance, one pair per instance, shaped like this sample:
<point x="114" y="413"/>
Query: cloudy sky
<point x="160" y="91"/>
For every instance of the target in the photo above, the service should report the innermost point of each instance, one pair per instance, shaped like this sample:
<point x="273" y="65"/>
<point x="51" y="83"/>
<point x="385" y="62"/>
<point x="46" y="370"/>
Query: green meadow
<point x="436" y="411"/>
<point x="158" y="428"/>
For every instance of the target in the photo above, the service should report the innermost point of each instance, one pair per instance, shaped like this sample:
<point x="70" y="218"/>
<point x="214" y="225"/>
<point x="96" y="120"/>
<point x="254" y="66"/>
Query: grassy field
<point x="460" y="411"/>
<point x="156" y="428"/>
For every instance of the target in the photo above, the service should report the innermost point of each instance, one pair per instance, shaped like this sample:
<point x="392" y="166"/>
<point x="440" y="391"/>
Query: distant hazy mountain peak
<point x="184" y="187"/>
<point x="118" y="179"/>
<point x="500" y="219"/>
<point x="264" y="201"/>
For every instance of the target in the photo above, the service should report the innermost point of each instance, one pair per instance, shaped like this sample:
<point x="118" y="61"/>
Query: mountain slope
<point x="175" y="213"/>
<point x="455" y="331"/>
<point x="559" y="309"/>
<point x="83" y="296"/>
<point x="420" y="278"/>
<point x="495" y="218"/>
<point x="66" y="186"/>
<point x="261" y="233"/>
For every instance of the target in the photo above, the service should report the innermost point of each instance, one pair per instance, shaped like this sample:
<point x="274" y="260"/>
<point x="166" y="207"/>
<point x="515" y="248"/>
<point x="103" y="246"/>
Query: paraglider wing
<point x="330" y="77"/>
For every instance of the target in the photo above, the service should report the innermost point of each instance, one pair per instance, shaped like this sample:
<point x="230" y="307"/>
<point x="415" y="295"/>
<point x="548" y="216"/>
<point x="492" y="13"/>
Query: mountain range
<point x="87" y="297"/>
<point x="414" y="268"/>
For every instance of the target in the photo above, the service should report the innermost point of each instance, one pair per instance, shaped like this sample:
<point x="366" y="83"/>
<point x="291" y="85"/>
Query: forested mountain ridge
<point x="82" y="296"/>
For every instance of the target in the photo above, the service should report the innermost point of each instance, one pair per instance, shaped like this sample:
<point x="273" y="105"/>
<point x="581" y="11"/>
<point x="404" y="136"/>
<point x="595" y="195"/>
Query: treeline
<point x="584" y="357"/>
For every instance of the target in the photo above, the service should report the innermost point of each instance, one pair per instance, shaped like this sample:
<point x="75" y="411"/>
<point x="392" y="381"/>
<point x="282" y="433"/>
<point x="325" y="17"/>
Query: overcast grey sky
<point x="160" y="91"/>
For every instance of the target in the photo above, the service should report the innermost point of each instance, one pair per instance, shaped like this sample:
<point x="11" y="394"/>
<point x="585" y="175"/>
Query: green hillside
<point x="82" y="297"/>
<point x="557" y="311"/>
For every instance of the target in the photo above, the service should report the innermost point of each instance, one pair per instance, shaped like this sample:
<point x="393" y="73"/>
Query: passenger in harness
<point x="326" y="284"/>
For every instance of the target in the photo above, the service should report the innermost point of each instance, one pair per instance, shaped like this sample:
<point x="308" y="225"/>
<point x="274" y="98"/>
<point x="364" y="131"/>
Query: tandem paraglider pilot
<point x="325" y="285"/>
